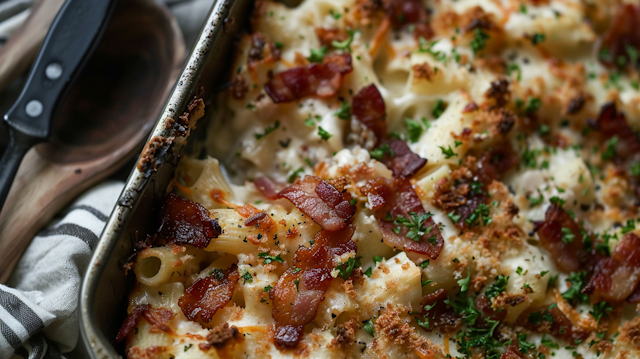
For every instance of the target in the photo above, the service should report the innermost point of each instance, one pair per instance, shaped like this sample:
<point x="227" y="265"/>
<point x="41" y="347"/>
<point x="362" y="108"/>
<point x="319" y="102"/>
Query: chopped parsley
<point x="557" y="201"/>
<point x="479" y="40"/>
<point x="464" y="283"/>
<point x="532" y="105"/>
<point x="537" y="38"/>
<point x="267" y="130"/>
<point x="415" y="225"/>
<point x="345" y="269"/>
<point x="336" y="15"/>
<point x="630" y="226"/>
<point x="524" y="346"/>
<point x="514" y="67"/>
<point x="269" y="259"/>
<point x="529" y="158"/>
<point x="497" y="287"/>
<point x="217" y="273"/>
<point x="323" y="133"/>
<point x="267" y="288"/>
<point x="368" y="327"/>
<point x="379" y="152"/>
<point x="438" y="108"/>
<point x="414" y="129"/>
<point x="634" y="170"/>
<point x="567" y="235"/>
<point x="549" y="343"/>
<point x="424" y="263"/>
<point x="448" y="152"/>
<point x="346" y="44"/>
<point x="246" y="277"/>
<point x="317" y="55"/>
<point x="610" y="152"/>
<point x="344" y="112"/>
<point x="295" y="174"/>
<point x="574" y="295"/>
<point x="600" y="310"/>
<point x="454" y="217"/>
<point x="534" y="201"/>
<point x="481" y="213"/>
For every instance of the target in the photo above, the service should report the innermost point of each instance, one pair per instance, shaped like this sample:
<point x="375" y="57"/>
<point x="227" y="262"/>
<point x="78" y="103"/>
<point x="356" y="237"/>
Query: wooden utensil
<point x="107" y="114"/>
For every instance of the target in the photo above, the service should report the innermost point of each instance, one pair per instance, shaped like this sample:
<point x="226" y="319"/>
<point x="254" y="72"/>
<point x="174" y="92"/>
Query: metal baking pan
<point x="103" y="297"/>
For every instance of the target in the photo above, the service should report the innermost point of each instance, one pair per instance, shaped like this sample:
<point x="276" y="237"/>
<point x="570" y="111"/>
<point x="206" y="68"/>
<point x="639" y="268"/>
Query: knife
<point x="72" y="37"/>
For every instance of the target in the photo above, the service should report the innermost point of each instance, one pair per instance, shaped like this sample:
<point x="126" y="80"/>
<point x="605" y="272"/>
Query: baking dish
<point x="103" y="298"/>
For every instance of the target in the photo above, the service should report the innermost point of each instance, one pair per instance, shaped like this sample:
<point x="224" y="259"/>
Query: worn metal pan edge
<point x="218" y="28"/>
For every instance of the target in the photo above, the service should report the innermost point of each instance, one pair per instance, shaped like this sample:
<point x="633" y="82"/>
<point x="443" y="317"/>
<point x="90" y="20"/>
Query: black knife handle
<point x="71" y="37"/>
<point x="18" y="146"/>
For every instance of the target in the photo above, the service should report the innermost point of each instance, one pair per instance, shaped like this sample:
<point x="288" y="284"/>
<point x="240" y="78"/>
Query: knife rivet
<point x="34" y="108"/>
<point x="53" y="71"/>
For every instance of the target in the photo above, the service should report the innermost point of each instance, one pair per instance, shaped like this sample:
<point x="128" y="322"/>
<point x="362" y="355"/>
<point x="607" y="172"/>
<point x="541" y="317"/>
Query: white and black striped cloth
<point x="38" y="304"/>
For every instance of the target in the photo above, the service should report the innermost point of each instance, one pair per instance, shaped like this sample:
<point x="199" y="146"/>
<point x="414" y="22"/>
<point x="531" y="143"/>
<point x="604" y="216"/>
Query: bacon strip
<point x="403" y="163"/>
<point x="568" y="257"/>
<point x="613" y="123"/>
<point x="396" y="198"/>
<point x="624" y="32"/>
<point x="322" y="80"/>
<point x="207" y="295"/>
<point x="299" y="291"/>
<point x="405" y="12"/>
<point x="369" y="108"/>
<point x="440" y="315"/>
<point x="321" y="201"/>
<point x="617" y="277"/>
<point x="267" y="188"/>
<point x="186" y="222"/>
<point x="131" y="321"/>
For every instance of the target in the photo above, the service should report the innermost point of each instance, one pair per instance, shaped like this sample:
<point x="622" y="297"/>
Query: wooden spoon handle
<point x="18" y="53"/>
<point x="39" y="191"/>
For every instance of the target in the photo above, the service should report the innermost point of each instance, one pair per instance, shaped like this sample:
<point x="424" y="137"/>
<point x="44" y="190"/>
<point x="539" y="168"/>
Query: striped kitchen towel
<point x="38" y="304"/>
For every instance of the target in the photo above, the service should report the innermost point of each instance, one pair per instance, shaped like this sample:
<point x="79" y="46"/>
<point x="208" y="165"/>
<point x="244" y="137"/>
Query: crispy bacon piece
<point x="299" y="291"/>
<point x="369" y="108"/>
<point x="322" y="80"/>
<point x="403" y="163"/>
<point x="557" y="225"/>
<point x="392" y="199"/>
<point x="617" y="277"/>
<point x="623" y="33"/>
<point x="319" y="200"/>
<point x="405" y="12"/>
<point x="207" y="295"/>
<point x="439" y="315"/>
<point x="267" y="188"/>
<point x="157" y="318"/>
<point x="131" y="321"/>
<point x="186" y="222"/>
<point x="328" y="36"/>
<point x="613" y="123"/>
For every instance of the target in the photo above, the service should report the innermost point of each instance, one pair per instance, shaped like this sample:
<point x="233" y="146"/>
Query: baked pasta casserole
<point x="407" y="179"/>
